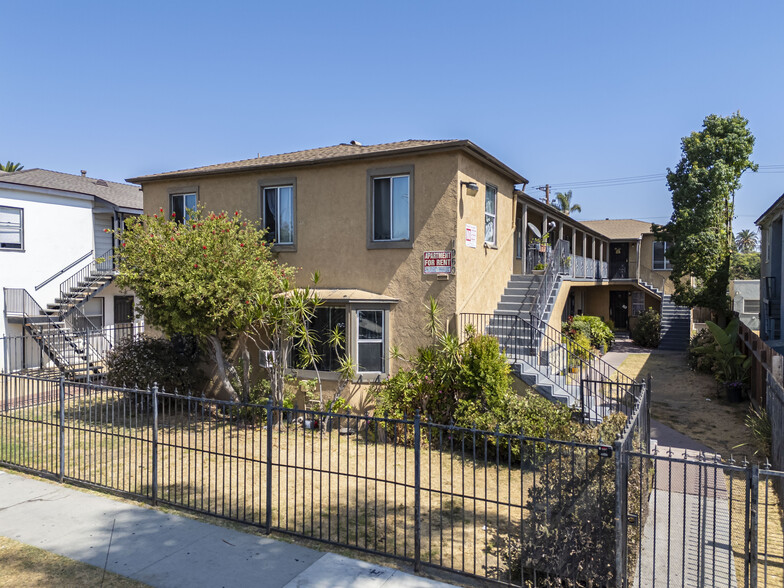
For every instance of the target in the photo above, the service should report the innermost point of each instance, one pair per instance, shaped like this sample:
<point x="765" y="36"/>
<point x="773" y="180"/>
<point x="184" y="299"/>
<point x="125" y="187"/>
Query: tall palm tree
<point x="746" y="241"/>
<point x="563" y="202"/>
<point x="10" y="166"/>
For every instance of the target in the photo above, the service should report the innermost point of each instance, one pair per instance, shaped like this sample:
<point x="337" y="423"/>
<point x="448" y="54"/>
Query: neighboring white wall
<point x="742" y="291"/>
<point x="57" y="231"/>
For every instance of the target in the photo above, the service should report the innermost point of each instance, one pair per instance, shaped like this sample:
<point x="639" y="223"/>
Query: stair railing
<point x="65" y="269"/>
<point x="76" y="320"/>
<point x="558" y="262"/>
<point x="103" y="263"/>
<point x="648" y="274"/>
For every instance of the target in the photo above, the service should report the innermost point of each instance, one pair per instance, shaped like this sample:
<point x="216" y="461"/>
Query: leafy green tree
<point x="212" y="277"/>
<point x="563" y="202"/>
<point x="745" y="266"/>
<point x="746" y="241"/>
<point x="10" y="166"/>
<point x="703" y="187"/>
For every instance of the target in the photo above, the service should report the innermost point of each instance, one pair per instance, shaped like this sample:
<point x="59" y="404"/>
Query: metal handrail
<point x="556" y="264"/>
<point x="76" y="320"/>
<point x="72" y="283"/>
<point x="65" y="269"/>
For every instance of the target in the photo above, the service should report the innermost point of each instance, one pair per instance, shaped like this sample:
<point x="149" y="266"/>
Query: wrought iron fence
<point x="512" y="509"/>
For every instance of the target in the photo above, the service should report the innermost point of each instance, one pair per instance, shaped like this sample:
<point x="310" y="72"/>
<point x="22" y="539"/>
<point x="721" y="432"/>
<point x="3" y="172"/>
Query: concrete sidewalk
<point x="168" y="550"/>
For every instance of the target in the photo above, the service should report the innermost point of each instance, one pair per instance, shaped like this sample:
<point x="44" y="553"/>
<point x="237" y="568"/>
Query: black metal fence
<point x="510" y="509"/>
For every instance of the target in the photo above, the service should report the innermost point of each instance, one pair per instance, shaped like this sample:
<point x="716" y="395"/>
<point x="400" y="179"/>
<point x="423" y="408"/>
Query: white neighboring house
<point x="56" y="268"/>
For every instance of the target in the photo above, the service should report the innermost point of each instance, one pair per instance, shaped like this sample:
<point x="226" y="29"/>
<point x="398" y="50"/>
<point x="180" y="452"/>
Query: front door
<point x="619" y="308"/>
<point x="619" y="261"/>
<point x="123" y="316"/>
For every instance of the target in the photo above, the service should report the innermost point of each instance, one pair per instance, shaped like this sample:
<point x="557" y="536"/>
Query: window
<point x="638" y="303"/>
<point x="93" y="310"/>
<point x="660" y="261"/>
<point x="391" y="208"/>
<point x="751" y="306"/>
<point x="370" y="340"/>
<point x="278" y="213"/>
<point x="519" y="238"/>
<point x="490" y="207"/>
<point x="324" y="321"/>
<point x="11" y="228"/>
<point x="182" y="205"/>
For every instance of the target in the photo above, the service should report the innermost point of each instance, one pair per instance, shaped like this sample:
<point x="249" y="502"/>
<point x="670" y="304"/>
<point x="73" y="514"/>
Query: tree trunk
<point x="245" y="371"/>
<point x="216" y="351"/>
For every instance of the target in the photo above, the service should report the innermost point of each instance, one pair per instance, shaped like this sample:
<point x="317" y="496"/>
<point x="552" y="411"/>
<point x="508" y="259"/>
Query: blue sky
<point x="563" y="92"/>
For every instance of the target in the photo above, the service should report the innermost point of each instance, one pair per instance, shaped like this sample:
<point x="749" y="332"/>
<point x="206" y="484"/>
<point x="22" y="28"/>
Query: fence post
<point x="648" y="393"/>
<point x="620" y="514"/>
<point x="417" y="506"/>
<point x="752" y="513"/>
<point x="155" y="443"/>
<point x="582" y="400"/>
<point x="87" y="356"/>
<point x="270" y="421"/>
<point x="61" y="394"/>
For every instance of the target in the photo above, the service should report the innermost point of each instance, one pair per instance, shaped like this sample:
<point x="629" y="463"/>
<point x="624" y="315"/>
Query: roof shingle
<point x="122" y="195"/>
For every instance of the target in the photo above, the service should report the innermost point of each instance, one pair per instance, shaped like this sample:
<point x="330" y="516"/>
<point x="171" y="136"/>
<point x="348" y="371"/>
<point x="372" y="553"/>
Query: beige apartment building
<point x="389" y="226"/>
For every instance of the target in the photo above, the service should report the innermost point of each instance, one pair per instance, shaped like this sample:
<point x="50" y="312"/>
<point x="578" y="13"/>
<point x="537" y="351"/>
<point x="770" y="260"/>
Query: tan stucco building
<point x="389" y="226"/>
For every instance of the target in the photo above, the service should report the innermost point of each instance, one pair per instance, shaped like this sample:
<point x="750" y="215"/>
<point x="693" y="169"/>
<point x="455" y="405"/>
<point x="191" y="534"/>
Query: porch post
<point x="585" y="255"/>
<point x="525" y="237"/>
<point x="574" y="252"/>
<point x="601" y="258"/>
<point x="638" y="259"/>
<point x="593" y="255"/>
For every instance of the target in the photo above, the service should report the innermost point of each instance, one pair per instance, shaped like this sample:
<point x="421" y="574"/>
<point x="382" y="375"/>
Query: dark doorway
<point x="123" y="316"/>
<point x="619" y="261"/>
<point x="619" y="308"/>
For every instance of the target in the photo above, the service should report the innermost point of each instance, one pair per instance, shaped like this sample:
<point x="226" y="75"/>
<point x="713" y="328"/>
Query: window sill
<point x="390" y="245"/>
<point x="11" y="250"/>
<point x="284" y="247"/>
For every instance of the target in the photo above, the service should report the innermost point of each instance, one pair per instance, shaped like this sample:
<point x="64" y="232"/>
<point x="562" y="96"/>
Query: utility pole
<point x="546" y="190"/>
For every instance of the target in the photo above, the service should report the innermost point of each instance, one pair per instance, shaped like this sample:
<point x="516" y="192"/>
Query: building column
<point x="525" y="237"/>
<point x="585" y="255"/>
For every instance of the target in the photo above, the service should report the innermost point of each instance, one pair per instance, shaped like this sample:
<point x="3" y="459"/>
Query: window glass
<point x="182" y="205"/>
<point x="660" y="262"/>
<point x="490" y="202"/>
<point x="324" y="321"/>
<point x="10" y="228"/>
<point x="391" y="208"/>
<point x="370" y="340"/>
<point x="751" y="306"/>
<point x="279" y="214"/>
<point x="93" y="310"/>
<point x="638" y="303"/>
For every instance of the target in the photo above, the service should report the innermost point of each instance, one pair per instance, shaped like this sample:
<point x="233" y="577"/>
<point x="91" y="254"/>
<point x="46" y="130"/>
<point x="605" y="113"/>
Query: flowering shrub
<point x="599" y="334"/>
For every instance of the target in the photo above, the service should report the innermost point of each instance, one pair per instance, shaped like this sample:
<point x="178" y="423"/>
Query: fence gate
<point x="695" y="520"/>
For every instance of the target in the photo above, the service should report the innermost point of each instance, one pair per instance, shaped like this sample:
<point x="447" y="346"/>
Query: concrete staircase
<point x="675" y="326"/>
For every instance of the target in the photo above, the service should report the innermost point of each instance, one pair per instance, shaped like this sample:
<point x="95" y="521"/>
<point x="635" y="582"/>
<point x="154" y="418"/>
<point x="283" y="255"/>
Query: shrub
<point x="698" y="360"/>
<point x="144" y="362"/>
<point x="598" y="333"/>
<point x="647" y="331"/>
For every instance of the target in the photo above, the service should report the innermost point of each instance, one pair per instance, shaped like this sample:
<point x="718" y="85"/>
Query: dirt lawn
<point x="686" y="401"/>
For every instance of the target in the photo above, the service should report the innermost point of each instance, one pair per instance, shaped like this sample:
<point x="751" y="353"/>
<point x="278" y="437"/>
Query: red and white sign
<point x="437" y="262"/>
<point x="471" y="233"/>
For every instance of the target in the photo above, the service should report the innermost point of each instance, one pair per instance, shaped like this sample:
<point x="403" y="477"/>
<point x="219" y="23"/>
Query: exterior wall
<point x="659" y="278"/>
<point x="742" y="291"/>
<point x="57" y="231"/>
<point x="331" y="204"/>
<point x="483" y="272"/>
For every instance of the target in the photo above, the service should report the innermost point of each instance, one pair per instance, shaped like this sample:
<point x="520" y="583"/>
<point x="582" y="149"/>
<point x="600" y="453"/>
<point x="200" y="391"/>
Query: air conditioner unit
<point x="266" y="358"/>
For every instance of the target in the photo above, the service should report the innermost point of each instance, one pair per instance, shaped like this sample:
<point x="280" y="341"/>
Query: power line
<point x="631" y="180"/>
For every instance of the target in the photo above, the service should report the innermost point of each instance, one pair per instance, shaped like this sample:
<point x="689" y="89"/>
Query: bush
<point x="647" y="331"/>
<point x="598" y="333"/>
<point x="698" y="360"/>
<point x="142" y="363"/>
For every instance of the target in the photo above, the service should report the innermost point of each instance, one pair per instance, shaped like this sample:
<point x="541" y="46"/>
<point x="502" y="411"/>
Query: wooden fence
<point x="764" y="361"/>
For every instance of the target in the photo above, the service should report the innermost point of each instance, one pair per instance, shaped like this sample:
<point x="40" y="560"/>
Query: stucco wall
<point x="483" y="272"/>
<point x="57" y="231"/>
<point x="331" y="225"/>
<point x="659" y="278"/>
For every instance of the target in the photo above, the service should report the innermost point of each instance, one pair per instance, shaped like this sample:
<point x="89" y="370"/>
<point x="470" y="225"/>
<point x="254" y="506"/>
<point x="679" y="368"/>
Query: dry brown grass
<point x="24" y="565"/>
<point x="686" y="401"/>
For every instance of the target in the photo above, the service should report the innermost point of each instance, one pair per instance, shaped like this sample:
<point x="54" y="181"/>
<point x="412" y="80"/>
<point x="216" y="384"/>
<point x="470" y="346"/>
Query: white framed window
<point x="391" y="208"/>
<point x="660" y="261"/>
<point x="278" y="212"/>
<point x="183" y="206"/>
<point x="638" y="302"/>
<point x="94" y="311"/>
<point x="324" y="321"/>
<point x="491" y="194"/>
<point x="11" y="228"/>
<point x="371" y="354"/>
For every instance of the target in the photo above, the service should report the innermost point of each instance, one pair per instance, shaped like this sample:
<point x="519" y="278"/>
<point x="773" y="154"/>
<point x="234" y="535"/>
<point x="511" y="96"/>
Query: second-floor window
<point x="11" y="228"/>
<point x="491" y="194"/>
<point x="278" y="210"/>
<point x="660" y="261"/>
<point x="183" y="206"/>
<point x="391" y="212"/>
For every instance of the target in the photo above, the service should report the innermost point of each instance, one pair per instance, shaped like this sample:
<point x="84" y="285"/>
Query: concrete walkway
<point x="168" y="550"/>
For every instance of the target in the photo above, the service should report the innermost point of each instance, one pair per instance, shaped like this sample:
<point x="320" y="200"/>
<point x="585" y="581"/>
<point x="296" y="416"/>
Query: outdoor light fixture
<point x="471" y="188"/>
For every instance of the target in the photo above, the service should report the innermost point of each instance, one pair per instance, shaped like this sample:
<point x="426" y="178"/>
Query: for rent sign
<point x="437" y="262"/>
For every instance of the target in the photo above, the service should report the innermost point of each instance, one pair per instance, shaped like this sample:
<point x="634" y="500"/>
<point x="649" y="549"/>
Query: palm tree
<point x="563" y="202"/>
<point x="746" y="241"/>
<point x="10" y="166"/>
